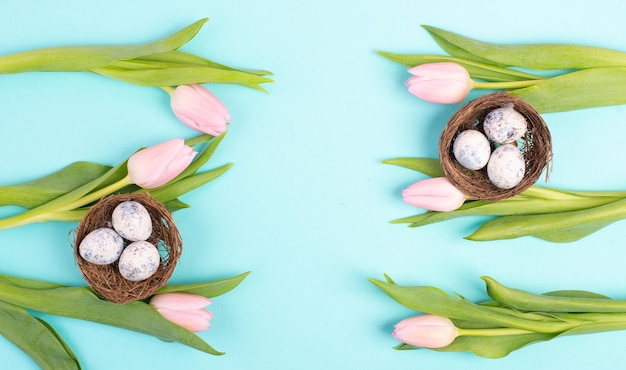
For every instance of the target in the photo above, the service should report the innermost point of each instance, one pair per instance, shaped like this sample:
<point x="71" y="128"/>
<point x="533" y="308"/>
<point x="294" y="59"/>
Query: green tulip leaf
<point x="557" y="227"/>
<point x="33" y="193"/>
<point x="476" y="70"/>
<point x="82" y="303"/>
<point x="183" y="76"/>
<point x="497" y="346"/>
<point x="177" y="57"/>
<point x="83" y="58"/>
<point x="434" y="301"/>
<point x="36" y="338"/>
<point x="533" y="56"/>
<point x="170" y="192"/>
<point x="428" y="166"/>
<point x="575" y="294"/>
<point x="596" y="87"/>
<point x="525" y="301"/>
<point x="209" y="289"/>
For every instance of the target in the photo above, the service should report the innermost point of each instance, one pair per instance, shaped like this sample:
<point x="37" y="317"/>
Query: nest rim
<point x="536" y="147"/>
<point x="106" y="280"/>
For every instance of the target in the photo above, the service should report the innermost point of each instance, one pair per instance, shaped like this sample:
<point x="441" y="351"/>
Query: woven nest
<point x="106" y="279"/>
<point x="536" y="147"/>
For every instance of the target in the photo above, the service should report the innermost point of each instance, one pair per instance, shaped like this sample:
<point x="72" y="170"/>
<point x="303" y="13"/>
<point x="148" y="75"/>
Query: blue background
<point x="306" y="206"/>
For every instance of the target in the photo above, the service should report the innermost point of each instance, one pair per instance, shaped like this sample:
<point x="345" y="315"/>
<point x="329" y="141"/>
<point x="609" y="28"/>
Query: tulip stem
<point x="43" y="213"/>
<point x="492" y="332"/>
<point x="504" y="85"/>
<point x="167" y="89"/>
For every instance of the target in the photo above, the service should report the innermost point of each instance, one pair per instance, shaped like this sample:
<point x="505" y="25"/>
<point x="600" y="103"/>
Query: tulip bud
<point x="426" y="331"/>
<point x="444" y="82"/>
<point x="435" y="194"/>
<point x="184" y="309"/>
<point x="154" y="166"/>
<point x="198" y="108"/>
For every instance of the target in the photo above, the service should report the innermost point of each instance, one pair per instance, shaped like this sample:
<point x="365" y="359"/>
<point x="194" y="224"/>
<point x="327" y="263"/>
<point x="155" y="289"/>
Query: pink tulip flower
<point x="198" y="108"/>
<point x="444" y="82"/>
<point x="435" y="194"/>
<point x="184" y="309"/>
<point x="426" y="331"/>
<point x="154" y="166"/>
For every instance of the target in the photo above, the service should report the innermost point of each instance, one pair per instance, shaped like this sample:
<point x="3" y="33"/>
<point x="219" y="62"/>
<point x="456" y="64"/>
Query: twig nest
<point x="510" y="122"/>
<point x="141" y="267"/>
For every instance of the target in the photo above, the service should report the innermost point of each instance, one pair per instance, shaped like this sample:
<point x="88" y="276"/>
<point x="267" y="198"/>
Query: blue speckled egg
<point x="505" y="125"/>
<point x="139" y="261"/>
<point x="132" y="221"/>
<point x="471" y="149"/>
<point x="506" y="167"/>
<point x="101" y="246"/>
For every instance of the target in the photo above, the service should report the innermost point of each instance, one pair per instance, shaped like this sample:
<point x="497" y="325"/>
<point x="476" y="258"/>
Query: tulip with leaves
<point x="167" y="170"/>
<point x="46" y="347"/>
<point x="159" y="64"/>
<point x="551" y="214"/>
<point x="564" y="77"/>
<point x="511" y="320"/>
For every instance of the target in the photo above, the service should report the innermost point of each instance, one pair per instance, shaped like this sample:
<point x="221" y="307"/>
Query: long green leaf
<point x="495" y="347"/>
<point x="508" y="207"/>
<point x="210" y="289"/>
<point x="37" y="339"/>
<point x="533" y="56"/>
<point x="82" y="303"/>
<point x="476" y="70"/>
<point x="428" y="166"/>
<point x="33" y="193"/>
<point x="177" y="57"/>
<point x="434" y="301"/>
<point x="183" y="76"/>
<point x="557" y="227"/>
<point x="170" y="192"/>
<point x="596" y="87"/>
<point x="83" y="58"/>
<point x="526" y="301"/>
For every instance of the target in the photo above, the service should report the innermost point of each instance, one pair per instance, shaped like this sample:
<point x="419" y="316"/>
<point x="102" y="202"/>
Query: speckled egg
<point x="504" y="125"/>
<point x="132" y="221"/>
<point x="471" y="149"/>
<point x="506" y="167"/>
<point x="101" y="246"/>
<point x="139" y="261"/>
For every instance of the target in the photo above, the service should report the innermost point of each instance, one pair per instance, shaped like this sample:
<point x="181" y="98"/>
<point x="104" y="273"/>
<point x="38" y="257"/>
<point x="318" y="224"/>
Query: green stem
<point x="167" y="89"/>
<point x="492" y="332"/>
<point x="42" y="213"/>
<point x="505" y="85"/>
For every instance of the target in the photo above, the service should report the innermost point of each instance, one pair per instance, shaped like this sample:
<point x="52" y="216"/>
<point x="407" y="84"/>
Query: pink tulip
<point x="426" y="331"/>
<point x="444" y="82"/>
<point x="198" y="108"/>
<point x="184" y="309"/>
<point x="158" y="164"/>
<point x="435" y="194"/>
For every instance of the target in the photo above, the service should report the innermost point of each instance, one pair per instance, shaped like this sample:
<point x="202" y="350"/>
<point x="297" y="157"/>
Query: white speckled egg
<point x="101" y="246"/>
<point x="505" y="125"/>
<point x="139" y="261"/>
<point x="132" y="221"/>
<point x="471" y="149"/>
<point x="506" y="167"/>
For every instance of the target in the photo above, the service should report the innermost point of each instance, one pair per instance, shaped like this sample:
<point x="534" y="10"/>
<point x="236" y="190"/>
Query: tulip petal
<point x="198" y="108"/>
<point x="192" y="321"/>
<point x="179" y="301"/>
<point x="154" y="166"/>
<point x="427" y="331"/>
<point x="435" y="194"/>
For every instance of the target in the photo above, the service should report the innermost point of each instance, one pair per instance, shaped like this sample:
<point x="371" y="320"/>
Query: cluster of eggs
<point x="124" y="242"/>
<point x="505" y="165"/>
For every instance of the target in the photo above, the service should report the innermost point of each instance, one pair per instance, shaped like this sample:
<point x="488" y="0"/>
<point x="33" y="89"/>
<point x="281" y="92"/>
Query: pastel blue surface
<point x="307" y="205"/>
